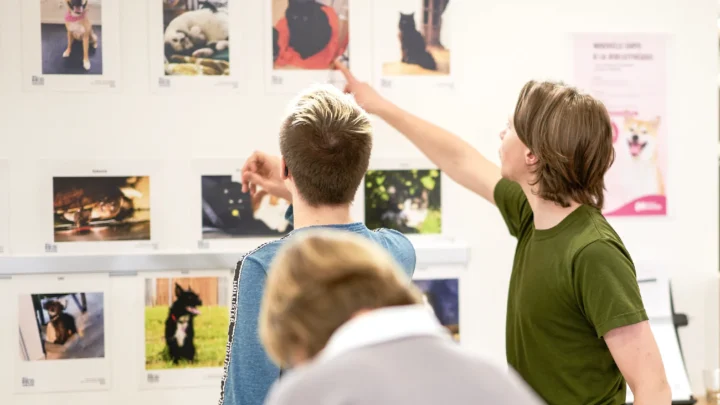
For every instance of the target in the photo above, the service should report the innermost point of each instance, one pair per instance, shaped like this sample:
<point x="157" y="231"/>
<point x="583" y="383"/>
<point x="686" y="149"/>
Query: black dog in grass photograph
<point x="420" y="37"/>
<point x="177" y="335"/>
<point x="179" y="325"/>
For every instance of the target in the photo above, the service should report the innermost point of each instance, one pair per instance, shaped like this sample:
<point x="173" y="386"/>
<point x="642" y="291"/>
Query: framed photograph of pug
<point x="100" y="206"/>
<point x="62" y="333"/>
<point x="186" y="316"/>
<point x="305" y="38"/>
<point x="71" y="45"/>
<point x="190" y="46"/>
<point x="404" y="196"/>
<point x="228" y="218"/>
<point x="412" y="44"/>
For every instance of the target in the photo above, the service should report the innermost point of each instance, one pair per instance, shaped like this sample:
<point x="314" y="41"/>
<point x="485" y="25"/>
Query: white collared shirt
<point x="375" y="359"/>
<point x="383" y="325"/>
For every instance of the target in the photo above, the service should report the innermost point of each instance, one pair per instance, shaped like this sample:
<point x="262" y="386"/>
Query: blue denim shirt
<point x="249" y="373"/>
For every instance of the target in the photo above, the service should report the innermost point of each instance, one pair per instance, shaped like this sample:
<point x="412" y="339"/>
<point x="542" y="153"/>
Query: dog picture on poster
<point x="228" y="212"/>
<point x="442" y="296"/>
<point x="71" y="37"/>
<point x="186" y="322"/>
<point x="196" y="37"/>
<point x="627" y="72"/>
<point x="309" y="34"/>
<point x="414" y="37"/>
<point x="62" y="326"/>
<point x="408" y="201"/>
<point x="101" y="208"/>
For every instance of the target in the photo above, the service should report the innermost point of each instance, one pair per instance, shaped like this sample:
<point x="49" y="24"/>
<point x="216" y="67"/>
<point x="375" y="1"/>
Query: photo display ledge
<point x="439" y="253"/>
<point x="185" y="318"/>
<point x="71" y="48"/>
<point x="62" y="333"/>
<point x="99" y="206"/>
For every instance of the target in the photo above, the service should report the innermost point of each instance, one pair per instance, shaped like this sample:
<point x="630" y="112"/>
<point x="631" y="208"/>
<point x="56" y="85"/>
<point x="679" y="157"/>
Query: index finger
<point x="345" y="71"/>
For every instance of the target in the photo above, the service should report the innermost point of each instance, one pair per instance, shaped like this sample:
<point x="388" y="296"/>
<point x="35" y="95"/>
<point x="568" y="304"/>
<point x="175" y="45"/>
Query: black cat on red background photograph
<point x="309" y="34"/>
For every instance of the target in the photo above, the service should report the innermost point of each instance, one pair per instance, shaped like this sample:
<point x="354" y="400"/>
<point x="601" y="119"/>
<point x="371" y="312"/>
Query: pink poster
<point x="627" y="72"/>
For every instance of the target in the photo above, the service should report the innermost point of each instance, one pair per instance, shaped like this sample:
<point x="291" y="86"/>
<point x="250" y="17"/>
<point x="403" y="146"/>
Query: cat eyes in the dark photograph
<point x="196" y="35"/>
<point x="227" y="212"/>
<point x="420" y="41"/>
<point x="309" y="34"/>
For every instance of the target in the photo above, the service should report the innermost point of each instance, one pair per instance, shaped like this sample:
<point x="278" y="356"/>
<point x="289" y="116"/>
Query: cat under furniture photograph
<point x="414" y="38"/>
<point x="196" y="37"/>
<point x="228" y="212"/>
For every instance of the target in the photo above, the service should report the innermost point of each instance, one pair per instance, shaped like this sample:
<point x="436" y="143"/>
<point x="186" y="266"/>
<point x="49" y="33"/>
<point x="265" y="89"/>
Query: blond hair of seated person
<point x="339" y="313"/>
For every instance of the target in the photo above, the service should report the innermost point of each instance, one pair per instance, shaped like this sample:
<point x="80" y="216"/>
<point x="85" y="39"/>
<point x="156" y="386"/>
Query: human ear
<point x="530" y="158"/>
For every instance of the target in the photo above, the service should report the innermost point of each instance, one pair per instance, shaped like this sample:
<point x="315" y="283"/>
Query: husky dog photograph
<point x="416" y="39"/>
<point x="88" y="209"/>
<point x="62" y="326"/>
<point x="407" y="201"/>
<point x="186" y="322"/>
<point x="442" y="296"/>
<point x="309" y="34"/>
<point x="196" y="35"/>
<point x="71" y="36"/>
<point x="227" y="212"/>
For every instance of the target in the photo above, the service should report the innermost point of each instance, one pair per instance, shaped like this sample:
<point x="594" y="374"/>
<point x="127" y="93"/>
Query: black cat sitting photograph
<point x="420" y="49"/>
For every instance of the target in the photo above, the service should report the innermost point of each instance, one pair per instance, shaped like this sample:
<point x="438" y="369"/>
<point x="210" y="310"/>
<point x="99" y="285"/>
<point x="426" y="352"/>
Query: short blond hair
<point x="317" y="282"/>
<point x="326" y="141"/>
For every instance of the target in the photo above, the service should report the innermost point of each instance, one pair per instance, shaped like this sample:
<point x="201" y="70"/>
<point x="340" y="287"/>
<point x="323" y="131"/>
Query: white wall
<point x="499" y="44"/>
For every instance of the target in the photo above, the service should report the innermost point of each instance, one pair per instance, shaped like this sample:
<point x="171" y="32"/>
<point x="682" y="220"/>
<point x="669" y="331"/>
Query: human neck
<point x="546" y="214"/>
<point x="305" y="215"/>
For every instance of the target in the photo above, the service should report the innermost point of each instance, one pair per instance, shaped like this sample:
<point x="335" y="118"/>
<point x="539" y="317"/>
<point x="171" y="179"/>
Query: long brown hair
<point x="570" y="134"/>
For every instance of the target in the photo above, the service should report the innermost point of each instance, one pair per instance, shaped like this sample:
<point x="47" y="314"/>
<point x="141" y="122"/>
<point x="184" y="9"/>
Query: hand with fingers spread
<point x="265" y="171"/>
<point x="369" y="99"/>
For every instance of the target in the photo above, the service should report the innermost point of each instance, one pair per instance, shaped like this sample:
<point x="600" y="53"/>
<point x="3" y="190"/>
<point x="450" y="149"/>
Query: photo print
<point x="62" y="326"/>
<point x="413" y="40"/>
<point x="186" y="326"/>
<point x="75" y="46"/>
<point x="408" y="201"/>
<point x="4" y="206"/>
<point x="307" y="37"/>
<point x="196" y="37"/>
<point x="62" y="332"/>
<point x="442" y="296"/>
<point x="101" y="208"/>
<point x="227" y="212"/>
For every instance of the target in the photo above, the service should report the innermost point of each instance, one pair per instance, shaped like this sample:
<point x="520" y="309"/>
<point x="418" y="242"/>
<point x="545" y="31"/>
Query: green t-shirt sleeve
<point x="606" y="286"/>
<point x="513" y="205"/>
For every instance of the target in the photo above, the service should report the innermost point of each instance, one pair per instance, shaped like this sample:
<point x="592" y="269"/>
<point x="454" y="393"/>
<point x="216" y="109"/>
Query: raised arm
<point x="454" y="156"/>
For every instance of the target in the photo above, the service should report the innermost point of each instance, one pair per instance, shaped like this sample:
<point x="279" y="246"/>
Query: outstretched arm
<point x="454" y="156"/>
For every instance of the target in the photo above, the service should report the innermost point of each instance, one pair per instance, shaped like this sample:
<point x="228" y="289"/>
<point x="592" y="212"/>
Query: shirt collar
<point x="383" y="325"/>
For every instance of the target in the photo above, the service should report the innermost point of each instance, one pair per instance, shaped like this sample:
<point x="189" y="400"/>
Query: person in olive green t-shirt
<point x="576" y="328"/>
